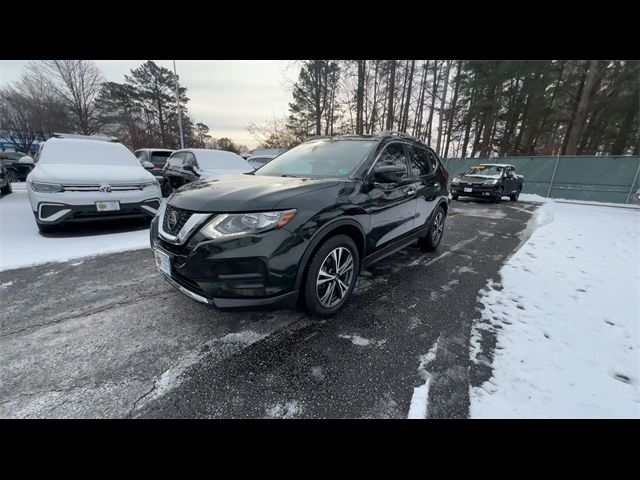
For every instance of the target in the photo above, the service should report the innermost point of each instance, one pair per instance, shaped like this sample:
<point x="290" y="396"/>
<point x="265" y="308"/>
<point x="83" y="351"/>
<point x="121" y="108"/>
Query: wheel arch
<point x="344" y="226"/>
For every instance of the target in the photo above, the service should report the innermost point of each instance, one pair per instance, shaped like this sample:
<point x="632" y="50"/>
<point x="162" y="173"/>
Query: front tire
<point x="433" y="237"/>
<point x="454" y="197"/>
<point x="6" y="190"/>
<point x="499" y="195"/>
<point x="514" y="197"/>
<point x="331" y="276"/>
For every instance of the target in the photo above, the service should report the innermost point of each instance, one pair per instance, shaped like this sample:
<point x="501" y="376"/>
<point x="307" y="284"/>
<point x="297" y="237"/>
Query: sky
<point x="225" y="94"/>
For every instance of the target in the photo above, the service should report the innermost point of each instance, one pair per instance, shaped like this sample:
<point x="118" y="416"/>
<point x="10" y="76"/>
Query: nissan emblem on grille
<point x="172" y="221"/>
<point x="105" y="187"/>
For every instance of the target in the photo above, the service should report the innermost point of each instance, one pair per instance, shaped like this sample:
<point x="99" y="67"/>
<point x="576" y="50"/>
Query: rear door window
<point x="421" y="162"/>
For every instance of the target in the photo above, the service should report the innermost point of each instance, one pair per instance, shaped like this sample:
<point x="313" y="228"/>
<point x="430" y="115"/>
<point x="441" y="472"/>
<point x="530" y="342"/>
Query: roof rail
<point x="85" y="137"/>
<point x="392" y="133"/>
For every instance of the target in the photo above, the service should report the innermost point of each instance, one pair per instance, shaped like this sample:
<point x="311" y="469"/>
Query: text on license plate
<point x="163" y="262"/>
<point x="112" y="206"/>
<point x="468" y="189"/>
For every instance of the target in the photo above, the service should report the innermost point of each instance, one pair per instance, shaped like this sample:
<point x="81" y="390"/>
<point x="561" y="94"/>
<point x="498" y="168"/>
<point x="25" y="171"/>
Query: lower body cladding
<point x="246" y="271"/>
<point x="57" y="213"/>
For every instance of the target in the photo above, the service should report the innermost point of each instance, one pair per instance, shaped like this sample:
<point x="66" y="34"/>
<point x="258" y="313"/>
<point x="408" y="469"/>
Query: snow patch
<point x="419" y="408"/>
<point x="362" y="342"/>
<point x="566" y="320"/>
<point x="288" y="409"/>
<point x="22" y="245"/>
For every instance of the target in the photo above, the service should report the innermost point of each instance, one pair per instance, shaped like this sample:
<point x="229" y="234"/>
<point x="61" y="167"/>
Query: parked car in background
<point x="257" y="161"/>
<point x="191" y="164"/>
<point x="5" y="181"/>
<point x="156" y="156"/>
<point x="18" y="165"/>
<point x="488" y="180"/>
<point x="304" y="224"/>
<point x="81" y="179"/>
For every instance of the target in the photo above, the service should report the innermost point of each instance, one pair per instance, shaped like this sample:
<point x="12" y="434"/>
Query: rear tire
<point x="514" y="197"/>
<point x="327" y="293"/>
<point x="432" y="239"/>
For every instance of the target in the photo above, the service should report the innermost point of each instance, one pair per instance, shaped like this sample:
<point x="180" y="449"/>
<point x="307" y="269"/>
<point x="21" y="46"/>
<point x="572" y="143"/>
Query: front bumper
<point x="249" y="271"/>
<point x="56" y="208"/>
<point x="476" y="191"/>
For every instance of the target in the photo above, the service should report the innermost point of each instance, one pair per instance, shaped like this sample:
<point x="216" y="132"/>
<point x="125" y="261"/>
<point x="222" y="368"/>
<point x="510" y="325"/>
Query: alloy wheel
<point x="437" y="228"/>
<point x="334" y="277"/>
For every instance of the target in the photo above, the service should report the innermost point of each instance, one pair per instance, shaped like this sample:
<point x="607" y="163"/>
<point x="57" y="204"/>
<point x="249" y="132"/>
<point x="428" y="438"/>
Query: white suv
<point x="84" y="179"/>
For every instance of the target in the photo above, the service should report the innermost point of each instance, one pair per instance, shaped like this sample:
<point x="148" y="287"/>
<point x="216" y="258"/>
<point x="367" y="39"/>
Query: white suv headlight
<point x="237" y="224"/>
<point x="153" y="183"/>
<point x="46" y="187"/>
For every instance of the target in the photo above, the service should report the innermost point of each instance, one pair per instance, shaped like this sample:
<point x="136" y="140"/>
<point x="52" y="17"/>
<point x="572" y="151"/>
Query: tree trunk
<point x="581" y="111"/>
<point x="392" y="86"/>
<point x="360" y="98"/>
<point x="442" y="104"/>
<point x="452" y="111"/>
<point x="405" y="121"/>
<point x="420" y="111"/>
<point x="434" y="93"/>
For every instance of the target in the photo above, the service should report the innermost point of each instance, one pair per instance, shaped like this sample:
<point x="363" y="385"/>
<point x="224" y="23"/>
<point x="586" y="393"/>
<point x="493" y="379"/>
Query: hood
<point x="481" y="177"/>
<point x="243" y="193"/>
<point x="69" y="173"/>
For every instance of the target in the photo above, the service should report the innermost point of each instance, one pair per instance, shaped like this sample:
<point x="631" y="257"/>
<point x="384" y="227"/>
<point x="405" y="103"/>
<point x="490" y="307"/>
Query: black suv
<point x="303" y="225"/>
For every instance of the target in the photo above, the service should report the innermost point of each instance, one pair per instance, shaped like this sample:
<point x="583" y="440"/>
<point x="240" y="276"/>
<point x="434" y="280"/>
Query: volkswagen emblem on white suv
<point x="105" y="187"/>
<point x="172" y="220"/>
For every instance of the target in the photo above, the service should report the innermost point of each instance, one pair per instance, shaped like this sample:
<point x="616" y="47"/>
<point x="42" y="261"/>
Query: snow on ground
<point x="419" y="408"/>
<point x="567" y="320"/>
<point x="22" y="245"/>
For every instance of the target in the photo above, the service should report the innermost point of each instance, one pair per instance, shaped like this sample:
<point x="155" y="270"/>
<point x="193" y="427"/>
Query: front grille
<point x="181" y="217"/>
<point x="118" y="187"/>
<point x="187" y="283"/>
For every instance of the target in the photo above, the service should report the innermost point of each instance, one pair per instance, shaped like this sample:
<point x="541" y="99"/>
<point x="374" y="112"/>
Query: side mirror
<point x="388" y="174"/>
<point x="148" y="165"/>
<point x="188" y="168"/>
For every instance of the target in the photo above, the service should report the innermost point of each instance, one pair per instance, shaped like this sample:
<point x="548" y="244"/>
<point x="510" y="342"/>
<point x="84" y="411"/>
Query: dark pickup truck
<point x="488" y="180"/>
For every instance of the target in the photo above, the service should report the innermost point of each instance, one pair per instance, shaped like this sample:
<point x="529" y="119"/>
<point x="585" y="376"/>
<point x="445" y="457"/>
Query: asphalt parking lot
<point x="107" y="337"/>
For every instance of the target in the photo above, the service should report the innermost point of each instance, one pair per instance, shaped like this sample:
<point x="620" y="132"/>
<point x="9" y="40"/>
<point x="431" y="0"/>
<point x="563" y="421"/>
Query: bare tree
<point x="77" y="82"/>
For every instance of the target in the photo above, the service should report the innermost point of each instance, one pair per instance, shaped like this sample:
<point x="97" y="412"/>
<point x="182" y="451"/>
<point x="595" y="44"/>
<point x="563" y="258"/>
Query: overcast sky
<point x="225" y="94"/>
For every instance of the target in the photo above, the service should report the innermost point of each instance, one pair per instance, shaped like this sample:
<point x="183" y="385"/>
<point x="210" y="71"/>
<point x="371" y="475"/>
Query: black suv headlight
<point x="237" y="224"/>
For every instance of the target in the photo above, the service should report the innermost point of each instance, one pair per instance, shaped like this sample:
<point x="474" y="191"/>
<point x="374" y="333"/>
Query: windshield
<point x="484" y="170"/>
<point x="160" y="157"/>
<point x="86" y="152"/>
<point x="319" y="158"/>
<point x="221" y="160"/>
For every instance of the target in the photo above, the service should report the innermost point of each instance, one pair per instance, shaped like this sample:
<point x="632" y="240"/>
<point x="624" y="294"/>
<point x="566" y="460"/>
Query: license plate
<point x="108" y="206"/>
<point x="468" y="189"/>
<point x="163" y="262"/>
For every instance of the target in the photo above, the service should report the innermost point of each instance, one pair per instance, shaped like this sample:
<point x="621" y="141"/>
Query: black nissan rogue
<point x="303" y="225"/>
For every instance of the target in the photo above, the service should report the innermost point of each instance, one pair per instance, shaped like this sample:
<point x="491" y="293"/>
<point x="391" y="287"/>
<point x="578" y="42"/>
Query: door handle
<point x="410" y="191"/>
<point x="436" y="185"/>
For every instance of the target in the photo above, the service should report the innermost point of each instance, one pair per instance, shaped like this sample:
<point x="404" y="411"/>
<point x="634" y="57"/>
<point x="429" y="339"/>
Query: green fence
<point x="595" y="178"/>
